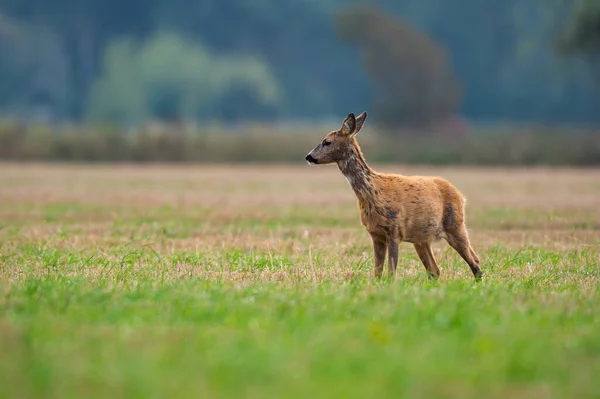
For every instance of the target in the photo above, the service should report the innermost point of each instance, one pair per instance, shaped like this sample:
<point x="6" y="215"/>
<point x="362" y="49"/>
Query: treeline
<point x="409" y="62"/>
<point x="269" y="145"/>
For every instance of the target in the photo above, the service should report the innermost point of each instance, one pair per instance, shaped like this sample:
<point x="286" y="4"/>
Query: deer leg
<point x="379" y="249"/>
<point x="474" y="255"/>
<point x="428" y="260"/>
<point x="392" y="256"/>
<point x="459" y="240"/>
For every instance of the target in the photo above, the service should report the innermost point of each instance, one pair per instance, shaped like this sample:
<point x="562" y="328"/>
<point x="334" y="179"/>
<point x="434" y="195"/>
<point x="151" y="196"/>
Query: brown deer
<point x="396" y="208"/>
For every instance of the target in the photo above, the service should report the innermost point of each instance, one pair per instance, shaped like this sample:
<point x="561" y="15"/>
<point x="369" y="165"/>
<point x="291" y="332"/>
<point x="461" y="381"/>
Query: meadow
<point x="163" y="281"/>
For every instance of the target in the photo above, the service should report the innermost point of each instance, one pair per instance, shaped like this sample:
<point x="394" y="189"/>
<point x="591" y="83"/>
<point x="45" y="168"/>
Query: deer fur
<point x="396" y="208"/>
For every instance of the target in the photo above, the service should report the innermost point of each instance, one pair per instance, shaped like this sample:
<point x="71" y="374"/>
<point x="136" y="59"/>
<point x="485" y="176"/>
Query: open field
<point x="256" y="281"/>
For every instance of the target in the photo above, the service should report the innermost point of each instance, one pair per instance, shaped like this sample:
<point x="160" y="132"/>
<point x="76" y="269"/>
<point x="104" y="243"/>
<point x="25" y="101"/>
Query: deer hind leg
<point x="379" y="251"/>
<point x="426" y="256"/>
<point x="392" y="256"/>
<point x="459" y="240"/>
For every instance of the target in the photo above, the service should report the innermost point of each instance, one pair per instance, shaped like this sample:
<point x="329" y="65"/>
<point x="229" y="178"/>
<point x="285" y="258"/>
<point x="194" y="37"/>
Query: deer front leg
<point x="392" y="256"/>
<point x="379" y="250"/>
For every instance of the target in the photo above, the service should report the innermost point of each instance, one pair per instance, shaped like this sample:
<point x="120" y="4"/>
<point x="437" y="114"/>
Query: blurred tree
<point x="169" y="78"/>
<point x="294" y="37"/>
<point x="480" y="37"/>
<point x="535" y="83"/>
<point x="275" y="32"/>
<point x="583" y="32"/>
<point x="500" y="52"/>
<point x="413" y="84"/>
<point x="84" y="28"/>
<point x="581" y="37"/>
<point x="32" y="70"/>
<point x="16" y="69"/>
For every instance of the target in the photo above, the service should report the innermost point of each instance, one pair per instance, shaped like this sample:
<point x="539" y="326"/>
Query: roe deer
<point x="396" y="208"/>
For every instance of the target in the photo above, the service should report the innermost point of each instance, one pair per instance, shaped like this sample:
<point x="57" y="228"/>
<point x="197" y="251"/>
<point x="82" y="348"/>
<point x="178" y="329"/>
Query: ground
<point x="256" y="281"/>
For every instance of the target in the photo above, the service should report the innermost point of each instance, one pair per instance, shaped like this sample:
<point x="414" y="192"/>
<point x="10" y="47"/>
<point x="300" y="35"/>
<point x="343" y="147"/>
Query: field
<point x="256" y="281"/>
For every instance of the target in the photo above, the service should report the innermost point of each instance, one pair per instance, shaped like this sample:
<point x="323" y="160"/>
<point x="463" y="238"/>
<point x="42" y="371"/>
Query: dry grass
<point x="280" y="208"/>
<point x="217" y="204"/>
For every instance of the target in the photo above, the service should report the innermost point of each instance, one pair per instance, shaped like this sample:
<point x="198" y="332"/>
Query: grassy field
<point x="256" y="282"/>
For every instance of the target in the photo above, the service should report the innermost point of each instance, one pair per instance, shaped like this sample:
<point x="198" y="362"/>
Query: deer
<point x="395" y="208"/>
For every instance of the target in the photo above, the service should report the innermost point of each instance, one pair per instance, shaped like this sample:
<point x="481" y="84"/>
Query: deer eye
<point x="326" y="143"/>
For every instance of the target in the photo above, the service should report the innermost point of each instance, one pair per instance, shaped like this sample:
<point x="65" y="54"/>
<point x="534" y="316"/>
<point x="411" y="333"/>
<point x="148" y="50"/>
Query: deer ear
<point x="360" y="121"/>
<point x="349" y="124"/>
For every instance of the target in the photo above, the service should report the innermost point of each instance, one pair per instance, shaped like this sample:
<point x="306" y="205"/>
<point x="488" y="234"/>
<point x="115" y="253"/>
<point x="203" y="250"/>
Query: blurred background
<point x="470" y="81"/>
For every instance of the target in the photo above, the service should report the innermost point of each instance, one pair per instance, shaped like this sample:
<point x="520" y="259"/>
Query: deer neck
<point x="359" y="174"/>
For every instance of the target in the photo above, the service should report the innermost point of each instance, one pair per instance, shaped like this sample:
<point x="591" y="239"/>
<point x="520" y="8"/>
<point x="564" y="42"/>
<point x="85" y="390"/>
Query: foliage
<point x="84" y="29"/>
<point x="583" y="32"/>
<point x="31" y="70"/>
<point x="500" y="51"/>
<point x="412" y="83"/>
<point x="169" y="78"/>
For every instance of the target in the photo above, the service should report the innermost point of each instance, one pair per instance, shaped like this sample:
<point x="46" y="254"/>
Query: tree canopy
<point x="411" y="79"/>
<point x="487" y="60"/>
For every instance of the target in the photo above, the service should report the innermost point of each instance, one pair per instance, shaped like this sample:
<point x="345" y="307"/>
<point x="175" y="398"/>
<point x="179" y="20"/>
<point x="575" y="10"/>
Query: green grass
<point x="129" y="324"/>
<point x="126" y="300"/>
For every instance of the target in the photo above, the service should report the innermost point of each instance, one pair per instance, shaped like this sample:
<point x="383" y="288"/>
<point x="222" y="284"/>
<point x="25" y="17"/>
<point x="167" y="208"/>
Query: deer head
<point x="338" y="144"/>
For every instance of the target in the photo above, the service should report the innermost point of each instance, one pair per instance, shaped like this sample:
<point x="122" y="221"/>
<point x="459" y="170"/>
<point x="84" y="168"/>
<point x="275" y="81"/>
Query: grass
<point x="256" y="281"/>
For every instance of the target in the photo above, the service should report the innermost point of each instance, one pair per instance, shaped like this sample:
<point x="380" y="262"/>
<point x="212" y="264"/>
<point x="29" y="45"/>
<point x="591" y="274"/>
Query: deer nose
<point x="310" y="159"/>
